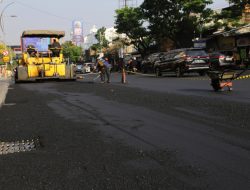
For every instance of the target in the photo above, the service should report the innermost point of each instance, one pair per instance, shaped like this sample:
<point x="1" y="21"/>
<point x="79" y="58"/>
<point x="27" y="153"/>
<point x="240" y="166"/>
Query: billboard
<point x="77" y="37"/>
<point x="41" y="44"/>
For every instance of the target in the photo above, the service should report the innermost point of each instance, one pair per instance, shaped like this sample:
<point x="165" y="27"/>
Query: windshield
<point x="40" y="43"/>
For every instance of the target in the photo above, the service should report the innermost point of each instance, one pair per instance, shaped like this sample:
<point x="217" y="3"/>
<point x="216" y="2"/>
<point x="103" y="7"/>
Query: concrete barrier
<point x="3" y="91"/>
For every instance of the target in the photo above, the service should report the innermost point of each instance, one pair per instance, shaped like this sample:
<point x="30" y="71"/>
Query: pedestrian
<point x="101" y="69"/>
<point x="107" y="67"/>
<point x="134" y="64"/>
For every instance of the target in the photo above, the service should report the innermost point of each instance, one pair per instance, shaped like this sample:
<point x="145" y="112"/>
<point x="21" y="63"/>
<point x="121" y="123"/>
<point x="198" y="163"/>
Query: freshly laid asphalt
<point x="133" y="136"/>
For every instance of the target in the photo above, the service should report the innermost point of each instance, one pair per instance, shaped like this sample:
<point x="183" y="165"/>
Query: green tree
<point x="231" y="16"/>
<point x="71" y="51"/>
<point x="131" y="21"/>
<point x="176" y="20"/>
<point x="240" y="3"/>
<point x="103" y="43"/>
<point x="100" y="36"/>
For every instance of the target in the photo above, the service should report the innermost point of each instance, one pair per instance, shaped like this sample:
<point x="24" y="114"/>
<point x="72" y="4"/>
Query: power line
<point x="49" y="13"/>
<point x="42" y="11"/>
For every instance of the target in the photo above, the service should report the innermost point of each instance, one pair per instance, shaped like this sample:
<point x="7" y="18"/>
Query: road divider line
<point x="243" y="77"/>
<point x="142" y="74"/>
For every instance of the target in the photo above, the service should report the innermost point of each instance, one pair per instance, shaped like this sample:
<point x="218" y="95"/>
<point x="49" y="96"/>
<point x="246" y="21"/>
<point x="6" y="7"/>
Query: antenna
<point x="127" y="3"/>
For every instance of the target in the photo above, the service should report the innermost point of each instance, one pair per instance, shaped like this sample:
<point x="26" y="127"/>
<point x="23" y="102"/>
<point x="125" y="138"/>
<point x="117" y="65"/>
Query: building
<point x="77" y="33"/>
<point x="236" y="39"/>
<point x="90" y="38"/>
<point x="111" y="34"/>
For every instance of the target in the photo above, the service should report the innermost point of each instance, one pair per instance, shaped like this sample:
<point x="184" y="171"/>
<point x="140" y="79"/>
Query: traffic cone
<point x="123" y="76"/>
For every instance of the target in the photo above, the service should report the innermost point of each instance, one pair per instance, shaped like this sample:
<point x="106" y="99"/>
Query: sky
<point x="20" y="15"/>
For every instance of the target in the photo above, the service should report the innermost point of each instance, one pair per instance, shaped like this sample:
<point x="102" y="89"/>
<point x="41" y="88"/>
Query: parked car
<point x="182" y="61"/>
<point x="221" y="59"/>
<point x="147" y="64"/>
<point x="86" y="68"/>
<point x="82" y="68"/>
<point x="91" y="65"/>
<point x="79" y="68"/>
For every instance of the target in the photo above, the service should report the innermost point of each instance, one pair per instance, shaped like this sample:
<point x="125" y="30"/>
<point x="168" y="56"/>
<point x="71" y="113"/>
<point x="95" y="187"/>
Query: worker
<point x="55" y="47"/>
<point x="101" y="69"/>
<point x="31" y="50"/>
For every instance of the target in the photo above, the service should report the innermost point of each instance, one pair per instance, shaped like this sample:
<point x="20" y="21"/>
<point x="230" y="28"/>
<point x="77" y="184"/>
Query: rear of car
<point x="92" y="66"/>
<point x="79" y="68"/>
<point x="183" y="61"/>
<point x="223" y="59"/>
<point x="86" y="68"/>
<point x="196" y="60"/>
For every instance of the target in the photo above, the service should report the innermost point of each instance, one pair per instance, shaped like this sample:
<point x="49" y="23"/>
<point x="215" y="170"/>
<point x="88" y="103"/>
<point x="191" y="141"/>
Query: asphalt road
<point x="151" y="133"/>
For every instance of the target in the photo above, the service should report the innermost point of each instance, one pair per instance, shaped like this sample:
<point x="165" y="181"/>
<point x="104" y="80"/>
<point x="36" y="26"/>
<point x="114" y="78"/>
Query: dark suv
<point x="148" y="63"/>
<point x="182" y="61"/>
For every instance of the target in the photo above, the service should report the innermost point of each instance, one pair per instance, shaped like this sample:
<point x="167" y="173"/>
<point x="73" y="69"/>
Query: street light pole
<point x="2" y="28"/>
<point x="1" y="16"/>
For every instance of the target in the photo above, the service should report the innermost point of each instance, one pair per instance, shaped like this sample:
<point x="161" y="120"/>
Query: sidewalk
<point x="4" y="84"/>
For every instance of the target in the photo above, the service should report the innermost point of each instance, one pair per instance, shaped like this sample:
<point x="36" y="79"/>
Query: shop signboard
<point x="243" y="42"/>
<point x="226" y="43"/>
<point x="6" y="59"/>
<point x="5" y="52"/>
<point x="200" y="44"/>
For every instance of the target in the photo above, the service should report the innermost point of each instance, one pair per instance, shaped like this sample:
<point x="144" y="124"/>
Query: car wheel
<point x="144" y="70"/>
<point x="179" y="72"/>
<point x="157" y="72"/>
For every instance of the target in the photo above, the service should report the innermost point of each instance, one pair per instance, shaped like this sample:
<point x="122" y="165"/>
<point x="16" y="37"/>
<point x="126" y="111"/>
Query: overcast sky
<point x="58" y="15"/>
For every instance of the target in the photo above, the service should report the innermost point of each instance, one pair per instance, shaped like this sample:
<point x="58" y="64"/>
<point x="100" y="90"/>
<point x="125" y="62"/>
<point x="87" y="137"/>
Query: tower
<point x="127" y="3"/>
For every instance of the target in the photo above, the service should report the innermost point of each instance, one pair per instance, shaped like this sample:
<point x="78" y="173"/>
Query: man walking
<point x="107" y="67"/>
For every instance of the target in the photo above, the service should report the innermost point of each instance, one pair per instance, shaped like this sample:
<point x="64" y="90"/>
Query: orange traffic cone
<point x="123" y="76"/>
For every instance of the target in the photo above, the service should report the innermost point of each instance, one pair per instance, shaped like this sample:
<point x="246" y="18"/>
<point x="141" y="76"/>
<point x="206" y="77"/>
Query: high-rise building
<point x="77" y="33"/>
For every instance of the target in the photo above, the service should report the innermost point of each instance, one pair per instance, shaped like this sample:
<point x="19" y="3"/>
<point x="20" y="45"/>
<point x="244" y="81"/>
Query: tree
<point x="131" y="21"/>
<point x="100" y="36"/>
<point x="231" y="17"/>
<point x="71" y="51"/>
<point x="102" y="44"/>
<point x="176" y="20"/>
<point x="240" y="3"/>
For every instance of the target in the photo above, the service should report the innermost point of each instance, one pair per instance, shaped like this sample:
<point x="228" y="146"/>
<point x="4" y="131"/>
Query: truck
<point x="40" y="59"/>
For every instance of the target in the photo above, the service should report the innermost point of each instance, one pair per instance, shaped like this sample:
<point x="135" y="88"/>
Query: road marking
<point x="243" y="77"/>
<point x="9" y="104"/>
<point x="19" y="146"/>
<point x="193" y="78"/>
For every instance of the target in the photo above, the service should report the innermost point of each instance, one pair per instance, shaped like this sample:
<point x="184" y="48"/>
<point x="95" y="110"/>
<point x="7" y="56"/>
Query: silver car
<point x="221" y="59"/>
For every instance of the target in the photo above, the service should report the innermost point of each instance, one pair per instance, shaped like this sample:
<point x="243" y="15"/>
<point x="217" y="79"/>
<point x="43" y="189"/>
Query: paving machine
<point x="42" y="60"/>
